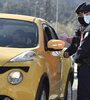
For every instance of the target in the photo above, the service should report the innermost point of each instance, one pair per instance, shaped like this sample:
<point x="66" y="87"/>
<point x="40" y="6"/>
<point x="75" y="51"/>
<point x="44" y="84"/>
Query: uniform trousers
<point x="83" y="91"/>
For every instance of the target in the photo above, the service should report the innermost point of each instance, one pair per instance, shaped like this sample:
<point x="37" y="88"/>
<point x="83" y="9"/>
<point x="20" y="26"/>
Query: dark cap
<point x="87" y="9"/>
<point x="80" y="8"/>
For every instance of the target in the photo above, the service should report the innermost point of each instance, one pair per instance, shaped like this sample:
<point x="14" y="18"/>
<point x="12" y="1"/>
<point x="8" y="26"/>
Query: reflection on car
<point x="18" y="34"/>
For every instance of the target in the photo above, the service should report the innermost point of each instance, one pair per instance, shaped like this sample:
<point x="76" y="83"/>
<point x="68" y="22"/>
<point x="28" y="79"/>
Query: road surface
<point x="75" y="84"/>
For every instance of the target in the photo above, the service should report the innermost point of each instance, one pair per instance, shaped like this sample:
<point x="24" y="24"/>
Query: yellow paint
<point x="50" y="62"/>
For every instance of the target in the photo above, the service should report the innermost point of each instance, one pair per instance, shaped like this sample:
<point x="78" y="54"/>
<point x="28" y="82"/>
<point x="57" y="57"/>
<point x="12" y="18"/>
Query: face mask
<point x="82" y="22"/>
<point x="87" y="19"/>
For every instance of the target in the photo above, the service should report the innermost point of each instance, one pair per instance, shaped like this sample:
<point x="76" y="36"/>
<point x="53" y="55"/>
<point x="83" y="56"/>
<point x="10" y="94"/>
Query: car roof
<point x="22" y="17"/>
<point x="16" y="16"/>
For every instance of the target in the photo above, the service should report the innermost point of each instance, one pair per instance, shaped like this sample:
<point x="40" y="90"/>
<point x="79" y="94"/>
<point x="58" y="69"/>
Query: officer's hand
<point x="66" y="54"/>
<point x="69" y="40"/>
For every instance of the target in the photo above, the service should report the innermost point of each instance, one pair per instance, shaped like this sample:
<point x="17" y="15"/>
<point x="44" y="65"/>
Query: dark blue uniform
<point x="82" y="56"/>
<point x="73" y="47"/>
<point x="75" y="42"/>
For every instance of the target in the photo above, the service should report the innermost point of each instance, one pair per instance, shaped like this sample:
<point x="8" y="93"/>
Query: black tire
<point x="42" y="93"/>
<point x="68" y="92"/>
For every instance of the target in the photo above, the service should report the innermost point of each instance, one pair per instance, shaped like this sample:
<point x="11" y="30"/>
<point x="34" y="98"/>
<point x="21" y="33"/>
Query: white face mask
<point x="87" y="19"/>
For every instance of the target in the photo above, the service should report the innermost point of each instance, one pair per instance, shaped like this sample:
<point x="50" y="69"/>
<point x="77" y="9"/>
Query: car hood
<point x="6" y="54"/>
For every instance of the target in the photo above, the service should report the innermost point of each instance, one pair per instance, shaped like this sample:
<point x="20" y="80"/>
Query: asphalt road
<point x="74" y="95"/>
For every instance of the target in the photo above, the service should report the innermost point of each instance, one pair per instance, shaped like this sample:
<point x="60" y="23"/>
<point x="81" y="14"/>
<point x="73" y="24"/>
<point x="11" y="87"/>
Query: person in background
<point x="82" y="58"/>
<point x="18" y="37"/>
<point x="76" y="39"/>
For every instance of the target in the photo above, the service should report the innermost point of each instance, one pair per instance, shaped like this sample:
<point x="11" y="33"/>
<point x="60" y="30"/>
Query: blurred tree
<point x="47" y="10"/>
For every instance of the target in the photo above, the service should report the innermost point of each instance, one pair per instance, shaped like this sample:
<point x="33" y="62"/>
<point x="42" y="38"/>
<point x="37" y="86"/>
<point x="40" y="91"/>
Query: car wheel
<point x="68" y="94"/>
<point x="42" y="93"/>
<point x="69" y="91"/>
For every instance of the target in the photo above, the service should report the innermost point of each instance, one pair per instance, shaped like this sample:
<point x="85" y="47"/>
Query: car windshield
<point x="18" y="34"/>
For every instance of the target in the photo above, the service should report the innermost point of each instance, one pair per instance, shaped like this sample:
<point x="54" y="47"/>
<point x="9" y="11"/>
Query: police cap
<point x="80" y="8"/>
<point x="87" y="9"/>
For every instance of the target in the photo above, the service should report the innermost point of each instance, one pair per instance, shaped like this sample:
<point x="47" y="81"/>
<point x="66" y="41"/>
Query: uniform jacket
<point x="73" y="47"/>
<point x="83" y="52"/>
<point x="75" y="41"/>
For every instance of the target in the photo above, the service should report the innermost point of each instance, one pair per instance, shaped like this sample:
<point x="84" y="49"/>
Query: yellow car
<point x="32" y="66"/>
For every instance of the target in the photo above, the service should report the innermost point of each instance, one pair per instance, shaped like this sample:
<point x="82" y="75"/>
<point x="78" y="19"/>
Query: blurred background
<point x="60" y="13"/>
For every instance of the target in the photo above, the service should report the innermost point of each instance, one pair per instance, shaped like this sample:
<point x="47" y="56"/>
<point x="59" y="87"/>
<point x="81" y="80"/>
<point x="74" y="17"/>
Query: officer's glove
<point x="66" y="54"/>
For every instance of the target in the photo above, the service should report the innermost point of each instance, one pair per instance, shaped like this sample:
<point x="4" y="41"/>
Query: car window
<point x="49" y="34"/>
<point x="53" y="33"/>
<point x="17" y="33"/>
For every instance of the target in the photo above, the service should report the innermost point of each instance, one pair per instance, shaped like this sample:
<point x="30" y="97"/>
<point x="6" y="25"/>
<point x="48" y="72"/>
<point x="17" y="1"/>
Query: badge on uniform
<point x="86" y="34"/>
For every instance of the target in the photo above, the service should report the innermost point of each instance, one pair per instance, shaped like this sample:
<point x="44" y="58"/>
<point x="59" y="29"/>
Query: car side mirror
<point x="56" y="44"/>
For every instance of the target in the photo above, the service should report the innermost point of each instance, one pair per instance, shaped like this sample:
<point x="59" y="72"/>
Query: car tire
<point x="68" y="93"/>
<point x="42" y="93"/>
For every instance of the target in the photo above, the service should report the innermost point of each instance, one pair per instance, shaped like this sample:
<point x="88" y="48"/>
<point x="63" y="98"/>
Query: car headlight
<point x="15" y="77"/>
<point x="26" y="56"/>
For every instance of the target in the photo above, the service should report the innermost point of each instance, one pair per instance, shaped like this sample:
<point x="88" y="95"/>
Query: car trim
<point x="34" y="19"/>
<point x="5" y="69"/>
<point x="2" y="97"/>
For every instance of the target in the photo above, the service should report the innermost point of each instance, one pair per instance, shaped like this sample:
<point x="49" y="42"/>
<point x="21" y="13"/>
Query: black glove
<point x="78" y="32"/>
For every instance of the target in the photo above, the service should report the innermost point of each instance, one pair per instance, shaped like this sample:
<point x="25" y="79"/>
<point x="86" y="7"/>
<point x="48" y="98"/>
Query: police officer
<point x="82" y="58"/>
<point x="76" y="39"/>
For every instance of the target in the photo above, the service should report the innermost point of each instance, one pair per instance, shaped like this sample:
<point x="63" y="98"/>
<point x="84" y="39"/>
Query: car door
<point x="54" y="59"/>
